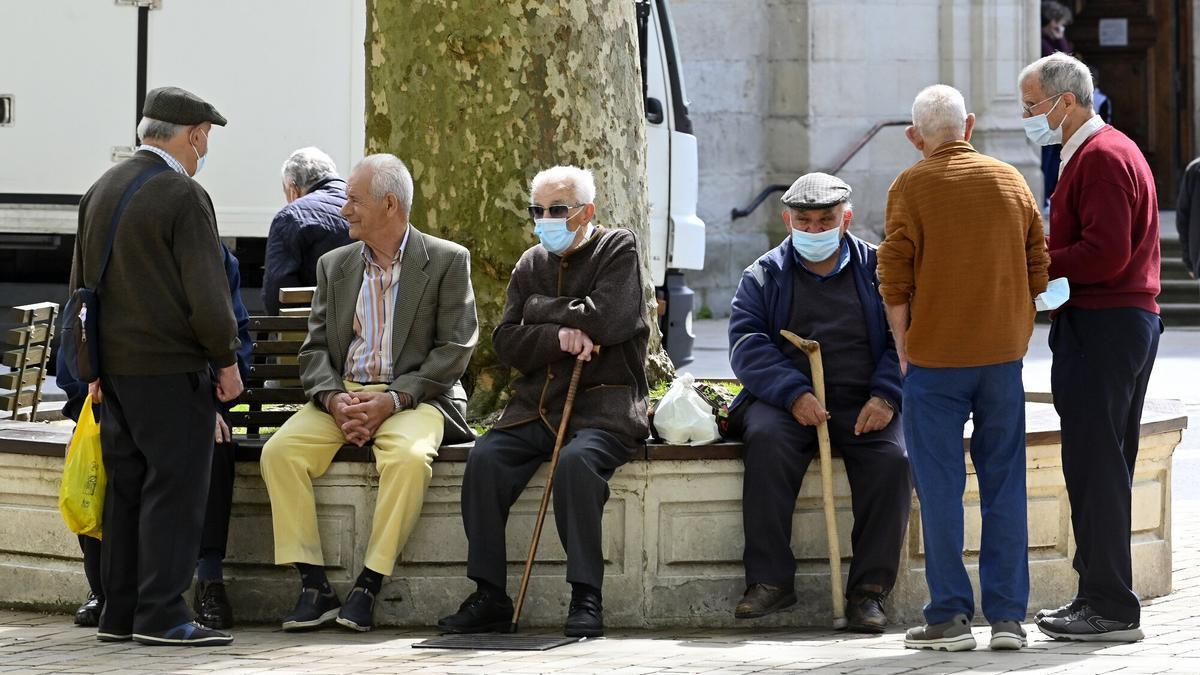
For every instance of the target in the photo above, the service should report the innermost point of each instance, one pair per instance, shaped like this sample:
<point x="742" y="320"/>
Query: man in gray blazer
<point x="391" y="332"/>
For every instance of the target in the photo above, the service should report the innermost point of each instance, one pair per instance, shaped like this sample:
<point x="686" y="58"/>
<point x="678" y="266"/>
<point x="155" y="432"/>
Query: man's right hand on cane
<point x="808" y="410"/>
<point x="575" y="341"/>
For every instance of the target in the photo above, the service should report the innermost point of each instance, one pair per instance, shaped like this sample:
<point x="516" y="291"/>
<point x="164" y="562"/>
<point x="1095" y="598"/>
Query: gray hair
<point x="150" y="129"/>
<point x="1060" y="73"/>
<point x="389" y="174"/>
<point x="939" y="111"/>
<point x="1055" y="11"/>
<point x="580" y="179"/>
<point x="306" y="167"/>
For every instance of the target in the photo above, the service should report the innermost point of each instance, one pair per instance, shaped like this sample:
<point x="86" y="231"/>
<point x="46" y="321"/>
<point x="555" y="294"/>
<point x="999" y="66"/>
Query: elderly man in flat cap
<point x="147" y="244"/>
<point x="820" y="284"/>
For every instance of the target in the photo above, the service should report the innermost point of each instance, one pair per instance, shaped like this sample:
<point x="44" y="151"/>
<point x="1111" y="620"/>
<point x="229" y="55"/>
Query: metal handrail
<point x="838" y="166"/>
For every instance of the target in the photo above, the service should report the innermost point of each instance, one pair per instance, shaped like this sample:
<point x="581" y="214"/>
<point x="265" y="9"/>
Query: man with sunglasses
<point x="1104" y="238"/>
<point x="580" y="287"/>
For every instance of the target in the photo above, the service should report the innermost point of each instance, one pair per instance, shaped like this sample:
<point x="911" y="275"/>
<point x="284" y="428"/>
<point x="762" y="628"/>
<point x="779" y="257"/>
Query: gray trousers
<point x="498" y="469"/>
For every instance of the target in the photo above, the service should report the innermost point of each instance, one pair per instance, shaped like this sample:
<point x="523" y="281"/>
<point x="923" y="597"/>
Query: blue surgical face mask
<point x="1037" y="128"/>
<point x="819" y="246"/>
<point x="554" y="234"/>
<point x="1057" y="293"/>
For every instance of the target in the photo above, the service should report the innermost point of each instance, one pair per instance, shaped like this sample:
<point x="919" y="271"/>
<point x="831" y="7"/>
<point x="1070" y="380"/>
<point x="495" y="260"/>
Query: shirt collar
<point x="166" y="157"/>
<point x="366" y="250"/>
<point x="843" y="260"/>
<point x="1084" y="132"/>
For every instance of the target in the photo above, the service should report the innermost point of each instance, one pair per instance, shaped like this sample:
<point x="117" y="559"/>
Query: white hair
<point x="939" y="111"/>
<point x="1061" y="73"/>
<point x="151" y="129"/>
<point x="389" y="174"/>
<point x="580" y="179"/>
<point x="306" y="167"/>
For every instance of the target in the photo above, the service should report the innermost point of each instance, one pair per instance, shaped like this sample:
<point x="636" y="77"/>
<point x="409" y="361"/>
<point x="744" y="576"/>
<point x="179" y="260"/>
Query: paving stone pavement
<point x="37" y="643"/>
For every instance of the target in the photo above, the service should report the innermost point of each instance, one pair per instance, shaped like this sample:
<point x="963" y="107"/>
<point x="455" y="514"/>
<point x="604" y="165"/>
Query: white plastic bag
<point x="682" y="417"/>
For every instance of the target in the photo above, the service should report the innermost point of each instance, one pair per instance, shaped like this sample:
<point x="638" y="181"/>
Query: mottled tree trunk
<point x="477" y="97"/>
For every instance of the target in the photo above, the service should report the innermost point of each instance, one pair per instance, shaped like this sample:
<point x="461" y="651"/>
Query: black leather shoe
<point x="763" y="599"/>
<point x="359" y="611"/>
<point x="211" y="605"/>
<point x="586" y="615"/>
<point x="864" y="610"/>
<point x="88" y="614"/>
<point x="481" y="612"/>
<point x="313" y="610"/>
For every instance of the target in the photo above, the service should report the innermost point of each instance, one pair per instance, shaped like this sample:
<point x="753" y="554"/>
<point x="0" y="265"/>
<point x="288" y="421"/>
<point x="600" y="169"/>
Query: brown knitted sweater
<point x="964" y="246"/>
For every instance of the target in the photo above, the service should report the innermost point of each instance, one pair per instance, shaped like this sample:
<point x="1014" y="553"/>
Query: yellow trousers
<point x="302" y="450"/>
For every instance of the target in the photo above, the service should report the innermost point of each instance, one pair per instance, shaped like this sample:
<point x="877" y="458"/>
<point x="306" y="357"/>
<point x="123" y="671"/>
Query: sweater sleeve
<point x="197" y="251"/>
<point x="897" y="275"/>
<point x="521" y="345"/>
<point x="755" y="359"/>
<point x="1105" y="244"/>
<point x="1037" y="259"/>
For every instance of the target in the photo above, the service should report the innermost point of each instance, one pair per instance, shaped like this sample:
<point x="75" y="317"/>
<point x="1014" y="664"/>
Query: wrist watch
<point x="397" y="404"/>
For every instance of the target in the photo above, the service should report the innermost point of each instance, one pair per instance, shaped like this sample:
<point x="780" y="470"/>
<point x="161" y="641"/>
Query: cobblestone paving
<point x="37" y="643"/>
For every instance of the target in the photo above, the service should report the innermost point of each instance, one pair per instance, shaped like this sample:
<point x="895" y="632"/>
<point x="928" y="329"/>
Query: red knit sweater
<point x="1104" y="234"/>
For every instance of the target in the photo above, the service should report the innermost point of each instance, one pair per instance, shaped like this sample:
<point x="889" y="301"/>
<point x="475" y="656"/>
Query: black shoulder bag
<point x="81" y="318"/>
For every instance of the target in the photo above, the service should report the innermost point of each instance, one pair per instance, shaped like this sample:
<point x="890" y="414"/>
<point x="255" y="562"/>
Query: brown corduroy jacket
<point x="964" y="247"/>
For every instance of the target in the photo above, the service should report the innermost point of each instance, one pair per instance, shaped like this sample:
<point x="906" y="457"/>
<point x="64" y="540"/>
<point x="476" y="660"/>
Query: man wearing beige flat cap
<point x="147" y="245"/>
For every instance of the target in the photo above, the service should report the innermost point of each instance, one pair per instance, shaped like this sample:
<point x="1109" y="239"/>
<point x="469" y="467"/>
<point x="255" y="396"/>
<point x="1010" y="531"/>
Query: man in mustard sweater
<point x="963" y="259"/>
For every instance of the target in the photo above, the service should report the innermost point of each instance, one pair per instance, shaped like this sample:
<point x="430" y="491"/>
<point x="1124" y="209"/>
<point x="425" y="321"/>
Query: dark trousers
<point x="91" y="547"/>
<point x="778" y="450"/>
<point x="937" y="404"/>
<point x="1102" y="363"/>
<point x="498" y="469"/>
<point x="215" y="534"/>
<point x="156" y="432"/>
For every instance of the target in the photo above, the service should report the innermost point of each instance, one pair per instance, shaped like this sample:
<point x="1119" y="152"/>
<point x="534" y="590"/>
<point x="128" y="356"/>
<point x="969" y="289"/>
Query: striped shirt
<point x="370" y="356"/>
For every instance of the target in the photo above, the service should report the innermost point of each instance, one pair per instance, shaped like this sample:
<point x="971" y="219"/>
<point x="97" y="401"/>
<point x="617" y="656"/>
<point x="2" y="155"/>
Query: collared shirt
<point x="166" y="157"/>
<point x="1084" y="132"/>
<point x="370" y="357"/>
<point x="843" y="260"/>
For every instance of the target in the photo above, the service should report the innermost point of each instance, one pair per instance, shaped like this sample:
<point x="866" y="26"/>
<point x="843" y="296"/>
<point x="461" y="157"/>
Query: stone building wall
<point x="782" y="87"/>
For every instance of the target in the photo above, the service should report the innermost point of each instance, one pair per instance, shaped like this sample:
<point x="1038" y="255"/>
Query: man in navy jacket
<point x="820" y="283"/>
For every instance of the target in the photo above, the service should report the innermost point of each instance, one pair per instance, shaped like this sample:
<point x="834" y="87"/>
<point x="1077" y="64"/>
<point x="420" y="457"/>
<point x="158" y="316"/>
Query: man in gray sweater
<point x="580" y="287"/>
<point x="166" y="316"/>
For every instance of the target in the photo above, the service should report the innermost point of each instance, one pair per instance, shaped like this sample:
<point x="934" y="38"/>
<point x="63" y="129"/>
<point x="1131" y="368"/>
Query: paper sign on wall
<point x="1114" y="32"/>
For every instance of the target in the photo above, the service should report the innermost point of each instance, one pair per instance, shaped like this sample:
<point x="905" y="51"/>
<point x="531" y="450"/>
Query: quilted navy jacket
<point x="301" y="232"/>
<point x="761" y="308"/>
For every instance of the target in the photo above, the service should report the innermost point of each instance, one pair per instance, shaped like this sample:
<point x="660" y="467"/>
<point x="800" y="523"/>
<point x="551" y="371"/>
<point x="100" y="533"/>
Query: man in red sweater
<point x="1104" y="239"/>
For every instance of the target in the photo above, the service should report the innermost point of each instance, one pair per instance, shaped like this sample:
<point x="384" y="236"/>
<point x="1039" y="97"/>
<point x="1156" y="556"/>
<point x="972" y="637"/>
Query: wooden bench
<point x="26" y="350"/>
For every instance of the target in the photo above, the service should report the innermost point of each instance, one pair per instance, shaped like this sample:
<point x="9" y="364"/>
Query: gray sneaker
<point x="949" y="636"/>
<point x="1007" y="635"/>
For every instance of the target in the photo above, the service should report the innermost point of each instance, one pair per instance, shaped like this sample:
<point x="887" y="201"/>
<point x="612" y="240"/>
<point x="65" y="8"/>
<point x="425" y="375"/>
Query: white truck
<point x="70" y="100"/>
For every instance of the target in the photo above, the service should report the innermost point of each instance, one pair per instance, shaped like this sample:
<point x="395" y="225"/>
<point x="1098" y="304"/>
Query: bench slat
<point x="12" y="359"/>
<point x="297" y="295"/>
<point x="273" y="395"/>
<point x="279" y="323"/>
<point x="30" y="378"/>
<point x="24" y="398"/>
<point x="291" y="347"/>
<point x="40" y="311"/>
<point x="294" y="312"/>
<point x="39" y="334"/>
<point x="259" y="418"/>
<point x="275" y="371"/>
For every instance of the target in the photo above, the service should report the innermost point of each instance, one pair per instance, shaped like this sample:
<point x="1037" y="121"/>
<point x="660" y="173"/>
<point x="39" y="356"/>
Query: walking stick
<point x="541" y="514"/>
<point x="813" y="349"/>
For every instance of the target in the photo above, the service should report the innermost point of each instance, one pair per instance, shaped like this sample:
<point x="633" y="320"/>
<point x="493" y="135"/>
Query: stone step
<point x="1173" y="268"/>
<point x="1177" y="314"/>
<point x="1179" y="291"/>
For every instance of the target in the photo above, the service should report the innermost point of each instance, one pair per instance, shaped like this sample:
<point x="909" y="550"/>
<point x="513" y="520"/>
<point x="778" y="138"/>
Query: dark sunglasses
<point x="555" y="211"/>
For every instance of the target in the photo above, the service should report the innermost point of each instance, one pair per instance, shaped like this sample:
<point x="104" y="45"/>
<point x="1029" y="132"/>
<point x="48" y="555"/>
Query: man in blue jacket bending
<point x="820" y="283"/>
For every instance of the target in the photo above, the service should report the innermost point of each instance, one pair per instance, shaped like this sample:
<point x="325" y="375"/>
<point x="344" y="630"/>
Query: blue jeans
<point x="937" y="403"/>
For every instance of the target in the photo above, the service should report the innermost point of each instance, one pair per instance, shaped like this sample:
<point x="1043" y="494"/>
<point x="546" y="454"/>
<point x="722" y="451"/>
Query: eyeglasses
<point x="1029" y="108"/>
<point x="556" y="211"/>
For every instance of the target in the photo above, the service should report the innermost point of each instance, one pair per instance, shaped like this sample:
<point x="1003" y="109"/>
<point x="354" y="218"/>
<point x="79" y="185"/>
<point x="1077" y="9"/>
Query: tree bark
<point x="477" y="97"/>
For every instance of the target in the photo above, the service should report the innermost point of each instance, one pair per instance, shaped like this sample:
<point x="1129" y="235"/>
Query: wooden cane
<point x="813" y="349"/>
<point x="541" y="514"/>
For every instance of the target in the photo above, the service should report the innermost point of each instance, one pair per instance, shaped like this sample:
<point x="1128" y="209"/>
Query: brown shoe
<point x="864" y="609"/>
<point x="762" y="599"/>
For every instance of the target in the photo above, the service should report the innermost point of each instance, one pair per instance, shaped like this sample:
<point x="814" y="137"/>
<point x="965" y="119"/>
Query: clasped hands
<point x="359" y="414"/>
<point x="875" y="415"/>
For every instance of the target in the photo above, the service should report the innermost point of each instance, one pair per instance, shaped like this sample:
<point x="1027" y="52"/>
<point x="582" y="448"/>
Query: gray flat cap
<point x="816" y="191"/>
<point x="179" y="106"/>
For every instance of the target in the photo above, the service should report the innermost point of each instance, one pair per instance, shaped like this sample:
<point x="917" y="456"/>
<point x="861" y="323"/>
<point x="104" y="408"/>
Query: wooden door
<point x="1141" y="50"/>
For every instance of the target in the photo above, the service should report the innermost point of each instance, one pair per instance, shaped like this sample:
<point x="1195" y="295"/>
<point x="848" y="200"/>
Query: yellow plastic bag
<point x="81" y="496"/>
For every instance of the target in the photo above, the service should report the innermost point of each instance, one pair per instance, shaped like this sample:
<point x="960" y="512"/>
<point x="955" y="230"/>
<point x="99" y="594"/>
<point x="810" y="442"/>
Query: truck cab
<point x="71" y="109"/>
